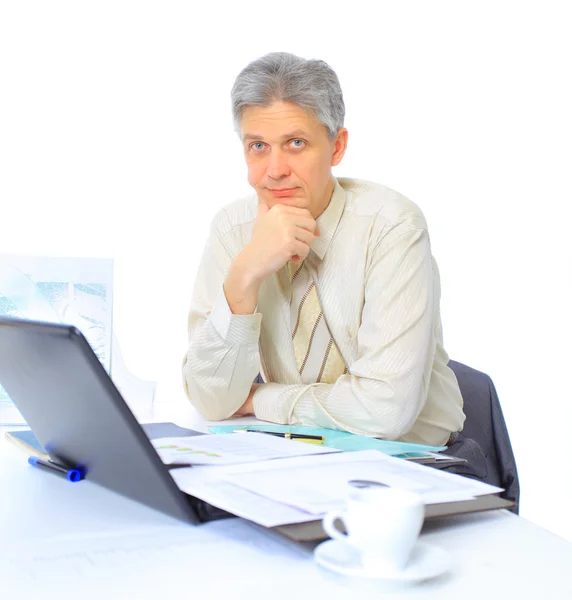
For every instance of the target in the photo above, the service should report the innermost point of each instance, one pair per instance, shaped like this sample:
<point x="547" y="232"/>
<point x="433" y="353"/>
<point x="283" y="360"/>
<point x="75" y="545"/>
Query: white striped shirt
<point x="379" y="290"/>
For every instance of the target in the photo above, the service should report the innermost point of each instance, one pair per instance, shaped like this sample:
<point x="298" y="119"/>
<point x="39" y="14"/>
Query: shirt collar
<point x="329" y="219"/>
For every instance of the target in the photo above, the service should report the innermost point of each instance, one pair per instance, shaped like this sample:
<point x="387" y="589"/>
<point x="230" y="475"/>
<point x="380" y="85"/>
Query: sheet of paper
<point x="75" y="291"/>
<point x="318" y="488"/>
<point x="241" y="489"/>
<point x="231" y="449"/>
<point x="236" y="500"/>
<point x="99" y="563"/>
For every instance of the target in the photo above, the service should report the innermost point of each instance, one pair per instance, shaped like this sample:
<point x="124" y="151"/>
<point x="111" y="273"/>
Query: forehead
<point x="277" y="120"/>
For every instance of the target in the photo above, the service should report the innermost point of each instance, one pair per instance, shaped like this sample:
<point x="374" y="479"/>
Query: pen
<point x="299" y="437"/>
<point x="72" y="475"/>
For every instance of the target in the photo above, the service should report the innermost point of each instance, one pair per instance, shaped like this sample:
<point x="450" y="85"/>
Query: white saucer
<point x="426" y="562"/>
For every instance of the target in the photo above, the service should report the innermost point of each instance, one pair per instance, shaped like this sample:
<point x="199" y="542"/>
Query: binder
<point x="28" y="442"/>
<point x="313" y="531"/>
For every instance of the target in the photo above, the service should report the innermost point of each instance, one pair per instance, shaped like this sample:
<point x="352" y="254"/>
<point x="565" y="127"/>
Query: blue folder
<point x="341" y="440"/>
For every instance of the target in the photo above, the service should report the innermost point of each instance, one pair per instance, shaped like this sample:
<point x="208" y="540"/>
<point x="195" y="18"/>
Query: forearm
<point x="241" y="286"/>
<point x="222" y="361"/>
<point x="359" y="405"/>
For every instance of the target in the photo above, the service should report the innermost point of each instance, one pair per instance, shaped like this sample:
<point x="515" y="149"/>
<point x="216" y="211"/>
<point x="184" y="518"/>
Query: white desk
<point x="65" y="540"/>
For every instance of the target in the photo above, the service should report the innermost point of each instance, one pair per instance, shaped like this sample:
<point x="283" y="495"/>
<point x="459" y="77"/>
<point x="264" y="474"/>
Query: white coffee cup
<point x="383" y="524"/>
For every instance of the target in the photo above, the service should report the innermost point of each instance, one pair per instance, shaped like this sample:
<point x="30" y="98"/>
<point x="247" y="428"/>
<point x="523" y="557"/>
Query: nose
<point x="277" y="165"/>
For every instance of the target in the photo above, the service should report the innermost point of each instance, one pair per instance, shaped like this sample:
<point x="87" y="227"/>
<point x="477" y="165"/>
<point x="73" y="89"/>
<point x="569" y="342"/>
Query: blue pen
<point x="72" y="475"/>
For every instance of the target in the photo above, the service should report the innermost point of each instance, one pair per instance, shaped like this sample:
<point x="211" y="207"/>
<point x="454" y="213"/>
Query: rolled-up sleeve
<point x="222" y="358"/>
<point x="386" y="387"/>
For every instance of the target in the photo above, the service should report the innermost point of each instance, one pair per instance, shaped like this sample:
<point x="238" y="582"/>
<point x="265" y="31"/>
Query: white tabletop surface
<point x="65" y="540"/>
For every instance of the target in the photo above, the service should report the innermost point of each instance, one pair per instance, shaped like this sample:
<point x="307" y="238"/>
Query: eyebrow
<point x="292" y="134"/>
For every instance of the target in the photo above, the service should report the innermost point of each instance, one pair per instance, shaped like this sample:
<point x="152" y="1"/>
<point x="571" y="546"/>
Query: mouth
<point x="283" y="192"/>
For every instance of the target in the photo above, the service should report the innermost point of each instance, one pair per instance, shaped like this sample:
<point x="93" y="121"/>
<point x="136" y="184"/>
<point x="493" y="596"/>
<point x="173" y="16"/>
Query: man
<point x="325" y="286"/>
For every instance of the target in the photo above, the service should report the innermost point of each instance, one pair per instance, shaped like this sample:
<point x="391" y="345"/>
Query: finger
<point x="305" y="236"/>
<point x="306" y="223"/>
<point x="299" y="249"/>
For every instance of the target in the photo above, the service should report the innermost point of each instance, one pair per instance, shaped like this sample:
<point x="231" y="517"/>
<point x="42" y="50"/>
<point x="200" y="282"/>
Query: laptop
<point x="75" y="411"/>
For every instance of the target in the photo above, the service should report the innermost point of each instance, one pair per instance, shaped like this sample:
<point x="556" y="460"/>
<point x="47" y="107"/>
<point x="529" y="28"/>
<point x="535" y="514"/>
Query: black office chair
<point x="485" y="425"/>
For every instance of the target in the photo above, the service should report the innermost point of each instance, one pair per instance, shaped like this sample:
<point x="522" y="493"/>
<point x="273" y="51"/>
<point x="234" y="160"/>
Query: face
<point x="290" y="156"/>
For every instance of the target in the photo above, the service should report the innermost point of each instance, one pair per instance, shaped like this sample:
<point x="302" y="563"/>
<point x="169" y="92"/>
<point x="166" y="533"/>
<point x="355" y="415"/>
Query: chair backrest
<point x="486" y="425"/>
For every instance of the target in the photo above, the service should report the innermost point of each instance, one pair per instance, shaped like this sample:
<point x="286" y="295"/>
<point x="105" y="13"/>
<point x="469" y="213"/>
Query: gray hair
<point x="282" y="77"/>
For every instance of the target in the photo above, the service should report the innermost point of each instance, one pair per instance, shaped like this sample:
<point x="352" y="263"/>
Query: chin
<point x="297" y="202"/>
<point x="286" y="201"/>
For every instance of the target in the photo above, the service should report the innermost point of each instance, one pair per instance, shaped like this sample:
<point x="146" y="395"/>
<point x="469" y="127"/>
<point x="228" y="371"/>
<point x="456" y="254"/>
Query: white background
<point x="116" y="140"/>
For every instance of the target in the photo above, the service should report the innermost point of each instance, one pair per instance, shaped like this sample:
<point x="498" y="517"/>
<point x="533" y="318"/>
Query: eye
<point x="257" y="146"/>
<point x="297" y="143"/>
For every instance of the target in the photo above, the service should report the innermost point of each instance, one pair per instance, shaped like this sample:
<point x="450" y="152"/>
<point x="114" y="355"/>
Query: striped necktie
<point x="317" y="356"/>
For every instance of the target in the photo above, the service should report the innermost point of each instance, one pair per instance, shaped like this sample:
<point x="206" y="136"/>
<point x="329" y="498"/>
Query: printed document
<point x="304" y="488"/>
<point x="229" y="449"/>
<point x="318" y="488"/>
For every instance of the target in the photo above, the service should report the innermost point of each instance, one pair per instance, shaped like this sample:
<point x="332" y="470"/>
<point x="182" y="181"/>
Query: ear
<point x="340" y="145"/>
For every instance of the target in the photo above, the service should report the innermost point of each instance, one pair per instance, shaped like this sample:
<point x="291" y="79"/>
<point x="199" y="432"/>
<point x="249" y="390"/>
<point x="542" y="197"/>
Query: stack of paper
<point x="294" y="490"/>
